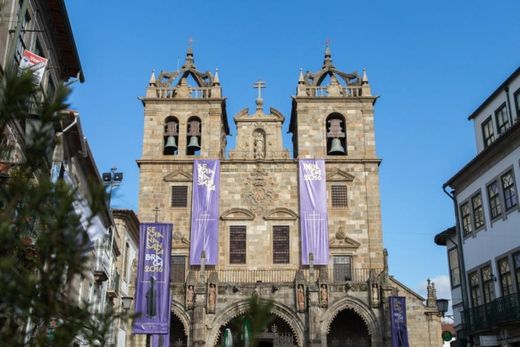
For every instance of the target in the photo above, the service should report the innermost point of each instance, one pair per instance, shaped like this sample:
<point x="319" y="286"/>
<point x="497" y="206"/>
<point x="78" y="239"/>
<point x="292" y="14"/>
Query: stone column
<point x="198" y="325"/>
<point x="314" y="314"/>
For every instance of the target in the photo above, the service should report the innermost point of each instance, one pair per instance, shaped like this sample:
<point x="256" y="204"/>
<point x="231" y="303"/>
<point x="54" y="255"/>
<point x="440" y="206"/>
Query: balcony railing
<point x="323" y="92"/>
<point x="499" y="311"/>
<point x="195" y="93"/>
<point x="244" y="276"/>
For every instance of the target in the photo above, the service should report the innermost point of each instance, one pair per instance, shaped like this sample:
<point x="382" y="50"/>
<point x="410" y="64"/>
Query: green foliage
<point x="259" y="316"/>
<point x="43" y="246"/>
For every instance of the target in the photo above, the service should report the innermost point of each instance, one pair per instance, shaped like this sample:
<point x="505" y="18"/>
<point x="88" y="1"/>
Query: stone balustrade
<point x="323" y="92"/>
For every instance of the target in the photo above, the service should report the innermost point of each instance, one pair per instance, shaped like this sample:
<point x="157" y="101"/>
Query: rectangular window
<point x="179" y="196"/>
<point x="494" y="199"/>
<point x="178" y="269"/>
<point x="474" y="289"/>
<point x="487" y="132"/>
<point x="342" y="268"/>
<point x="516" y="263"/>
<point x="478" y="211"/>
<point x="339" y="196"/>
<point x="465" y="215"/>
<point x="508" y="186"/>
<point x="280" y="244"/>
<point x="454" y="267"/>
<point x="506" y="282"/>
<point x="516" y="97"/>
<point x="125" y="262"/>
<point x="237" y="244"/>
<point x="488" y="284"/>
<point x="502" y="119"/>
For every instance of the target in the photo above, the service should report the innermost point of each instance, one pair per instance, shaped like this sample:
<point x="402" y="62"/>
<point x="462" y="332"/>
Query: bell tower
<point x="332" y="114"/>
<point x="184" y="115"/>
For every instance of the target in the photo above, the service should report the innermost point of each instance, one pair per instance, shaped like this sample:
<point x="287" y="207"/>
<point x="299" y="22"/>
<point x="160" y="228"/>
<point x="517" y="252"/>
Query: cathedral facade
<point x="343" y="302"/>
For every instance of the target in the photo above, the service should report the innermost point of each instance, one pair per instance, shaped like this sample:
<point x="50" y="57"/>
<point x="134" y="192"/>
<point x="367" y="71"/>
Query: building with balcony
<point x="484" y="246"/>
<point x="341" y="302"/>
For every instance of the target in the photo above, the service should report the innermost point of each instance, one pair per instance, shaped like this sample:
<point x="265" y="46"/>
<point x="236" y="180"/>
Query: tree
<point x="43" y="246"/>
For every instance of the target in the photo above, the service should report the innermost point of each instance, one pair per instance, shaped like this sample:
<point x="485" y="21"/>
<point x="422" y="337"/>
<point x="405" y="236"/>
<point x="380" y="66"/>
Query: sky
<point x="431" y="62"/>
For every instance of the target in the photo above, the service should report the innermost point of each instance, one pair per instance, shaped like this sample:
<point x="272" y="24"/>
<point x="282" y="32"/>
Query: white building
<point x="484" y="247"/>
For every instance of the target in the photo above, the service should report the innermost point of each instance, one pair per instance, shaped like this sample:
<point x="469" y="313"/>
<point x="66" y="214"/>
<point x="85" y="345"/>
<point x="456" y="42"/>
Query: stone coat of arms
<point x="259" y="193"/>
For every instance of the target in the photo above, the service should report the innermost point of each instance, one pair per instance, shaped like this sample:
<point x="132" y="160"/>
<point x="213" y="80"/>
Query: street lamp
<point x="112" y="179"/>
<point x="442" y="306"/>
<point x="126" y="302"/>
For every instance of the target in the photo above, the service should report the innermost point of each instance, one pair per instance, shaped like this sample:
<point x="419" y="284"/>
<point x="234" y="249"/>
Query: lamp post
<point x="112" y="179"/>
<point x="442" y="306"/>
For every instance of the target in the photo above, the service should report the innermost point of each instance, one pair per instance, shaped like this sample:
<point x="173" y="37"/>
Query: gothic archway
<point x="236" y="309"/>
<point x="348" y="330"/>
<point x="358" y="313"/>
<point x="179" y="325"/>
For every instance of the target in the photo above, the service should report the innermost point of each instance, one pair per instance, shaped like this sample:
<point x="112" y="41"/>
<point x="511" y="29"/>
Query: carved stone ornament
<point x="259" y="193"/>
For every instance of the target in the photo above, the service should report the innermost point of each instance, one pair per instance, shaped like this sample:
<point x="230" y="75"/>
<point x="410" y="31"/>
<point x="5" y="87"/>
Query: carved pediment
<point x="338" y="175"/>
<point x="179" y="240"/>
<point x="340" y="240"/>
<point x="237" y="214"/>
<point x="281" y="213"/>
<point x="178" y="176"/>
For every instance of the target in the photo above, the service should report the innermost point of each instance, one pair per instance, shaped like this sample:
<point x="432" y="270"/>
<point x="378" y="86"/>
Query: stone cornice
<point x="258" y="161"/>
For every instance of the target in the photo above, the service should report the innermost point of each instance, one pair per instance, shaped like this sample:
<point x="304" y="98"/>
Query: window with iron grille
<point x="487" y="284"/>
<point x="179" y="196"/>
<point x="178" y="269"/>
<point x="494" y="199"/>
<point x="508" y="186"/>
<point x="516" y="263"/>
<point x="506" y="282"/>
<point x="474" y="289"/>
<point x="454" y="267"/>
<point x="125" y="262"/>
<point x="487" y="132"/>
<point x="280" y="244"/>
<point x="478" y="211"/>
<point x="465" y="215"/>
<point x="339" y="196"/>
<point x="502" y="119"/>
<point x="517" y="103"/>
<point x="237" y="244"/>
<point x="342" y="268"/>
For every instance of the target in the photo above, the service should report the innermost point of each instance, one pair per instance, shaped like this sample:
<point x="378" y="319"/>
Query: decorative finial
<point x="301" y="79"/>
<point x="328" y="56"/>
<point x="156" y="210"/>
<point x="189" y="61"/>
<point x="216" y="79"/>
<point x="152" y="78"/>
<point x="364" y="78"/>
<point x="259" y="101"/>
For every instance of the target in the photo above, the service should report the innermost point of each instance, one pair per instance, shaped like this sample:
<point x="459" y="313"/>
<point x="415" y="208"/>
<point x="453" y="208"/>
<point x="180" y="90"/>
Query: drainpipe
<point x="460" y="250"/>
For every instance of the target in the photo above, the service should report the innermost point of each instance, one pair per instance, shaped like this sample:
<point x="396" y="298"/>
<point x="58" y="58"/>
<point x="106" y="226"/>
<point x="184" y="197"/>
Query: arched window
<point x="258" y="144"/>
<point x="193" y="136"/>
<point x="171" y="136"/>
<point x="336" y="134"/>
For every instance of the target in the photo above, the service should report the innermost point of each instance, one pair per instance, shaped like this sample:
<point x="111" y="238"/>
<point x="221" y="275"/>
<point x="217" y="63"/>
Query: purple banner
<point x="153" y="279"/>
<point x="313" y="211"/>
<point x="164" y="339"/>
<point x="204" y="211"/>
<point x="398" y="321"/>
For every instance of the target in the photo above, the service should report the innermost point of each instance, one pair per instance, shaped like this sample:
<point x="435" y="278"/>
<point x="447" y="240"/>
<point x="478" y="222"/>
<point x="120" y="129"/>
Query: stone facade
<point x="259" y="190"/>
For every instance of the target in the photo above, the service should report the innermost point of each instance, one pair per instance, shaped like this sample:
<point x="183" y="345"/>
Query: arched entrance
<point x="178" y="336"/>
<point x="277" y="334"/>
<point x="348" y="330"/>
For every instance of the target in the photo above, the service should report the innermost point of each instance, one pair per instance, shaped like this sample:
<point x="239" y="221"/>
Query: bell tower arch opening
<point x="193" y="136"/>
<point x="336" y="134"/>
<point x="171" y="136"/>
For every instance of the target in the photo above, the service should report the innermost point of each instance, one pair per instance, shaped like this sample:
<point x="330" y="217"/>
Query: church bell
<point x="171" y="144"/>
<point x="194" y="143"/>
<point x="336" y="147"/>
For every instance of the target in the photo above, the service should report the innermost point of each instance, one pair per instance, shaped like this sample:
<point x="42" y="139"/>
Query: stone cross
<point x="259" y="84"/>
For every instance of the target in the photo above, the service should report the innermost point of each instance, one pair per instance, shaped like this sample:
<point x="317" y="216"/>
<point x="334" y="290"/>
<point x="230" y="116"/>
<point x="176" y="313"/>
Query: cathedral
<point x="325" y="270"/>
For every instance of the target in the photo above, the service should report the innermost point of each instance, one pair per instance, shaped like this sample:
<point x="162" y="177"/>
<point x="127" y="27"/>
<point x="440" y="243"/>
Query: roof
<point x="64" y="38"/>
<point x="441" y="238"/>
<point x="490" y="98"/>
<point x="493" y="153"/>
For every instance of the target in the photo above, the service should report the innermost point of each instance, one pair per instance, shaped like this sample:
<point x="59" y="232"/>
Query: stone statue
<point x="258" y="145"/>
<point x="212" y="298"/>
<point x="189" y="297"/>
<point x="324" y="295"/>
<point x="300" y="297"/>
<point x="375" y="294"/>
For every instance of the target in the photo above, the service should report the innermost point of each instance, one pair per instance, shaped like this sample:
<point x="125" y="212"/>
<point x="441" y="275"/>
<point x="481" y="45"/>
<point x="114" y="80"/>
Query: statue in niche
<point x="375" y="294"/>
<point x="212" y="298"/>
<point x="190" y="294"/>
<point x="300" y="297"/>
<point x="324" y="295"/>
<point x="258" y="145"/>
